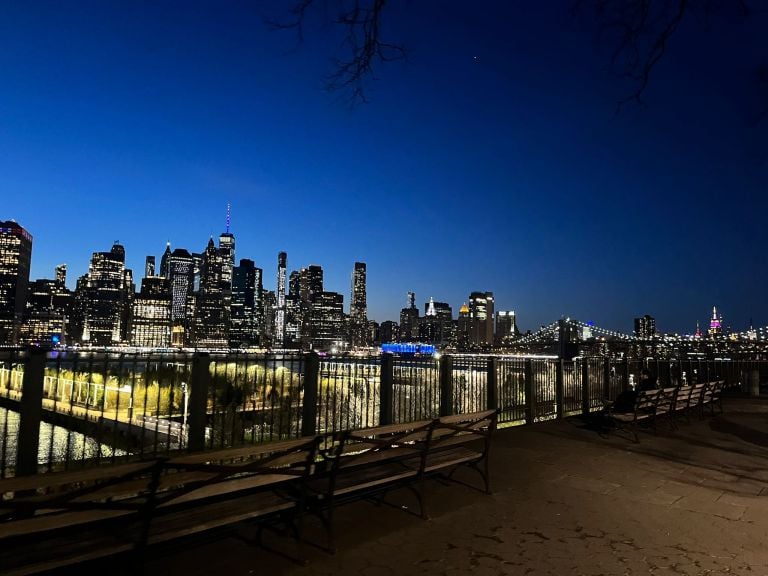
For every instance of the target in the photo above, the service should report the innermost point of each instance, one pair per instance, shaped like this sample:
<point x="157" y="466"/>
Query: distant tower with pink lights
<point x="715" y="324"/>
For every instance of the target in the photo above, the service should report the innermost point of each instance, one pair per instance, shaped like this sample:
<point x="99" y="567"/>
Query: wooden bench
<point x="52" y="520"/>
<point x="644" y="410"/>
<point x="369" y="463"/>
<point x="688" y="400"/>
<point x="462" y="440"/>
<point x="712" y="396"/>
<point x="666" y="407"/>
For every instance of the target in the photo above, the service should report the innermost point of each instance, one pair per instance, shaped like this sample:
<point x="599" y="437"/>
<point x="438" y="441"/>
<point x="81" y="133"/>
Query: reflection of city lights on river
<point x="57" y="444"/>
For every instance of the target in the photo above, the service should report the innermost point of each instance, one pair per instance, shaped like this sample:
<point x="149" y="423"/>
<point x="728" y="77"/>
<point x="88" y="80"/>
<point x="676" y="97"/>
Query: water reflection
<point x="57" y="444"/>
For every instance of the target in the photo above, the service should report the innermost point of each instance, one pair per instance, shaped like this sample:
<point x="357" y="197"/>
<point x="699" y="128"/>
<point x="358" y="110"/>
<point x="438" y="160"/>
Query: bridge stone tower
<point x="568" y="339"/>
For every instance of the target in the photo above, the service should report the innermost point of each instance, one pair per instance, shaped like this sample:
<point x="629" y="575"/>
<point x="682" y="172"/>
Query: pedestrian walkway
<point x="566" y="501"/>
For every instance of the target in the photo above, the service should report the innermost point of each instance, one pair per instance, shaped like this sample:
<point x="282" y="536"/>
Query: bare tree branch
<point x="657" y="50"/>
<point x="762" y="86"/>
<point x="640" y="32"/>
<point x="296" y="21"/>
<point x="362" y="47"/>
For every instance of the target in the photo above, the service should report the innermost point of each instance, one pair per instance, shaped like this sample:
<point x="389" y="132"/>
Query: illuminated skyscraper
<point x="149" y="267"/>
<point x="436" y="326"/>
<point x="108" y="289"/>
<point x="245" y="291"/>
<point x="164" y="261"/>
<point x="269" y="306"/>
<point x="258" y="311"/>
<point x="279" y="339"/>
<point x="409" y="320"/>
<point x="464" y="327"/>
<point x="429" y="325"/>
<point x="179" y="269"/>
<point x="327" y="321"/>
<point x="227" y="255"/>
<point x="481" y="318"/>
<point x="294" y="321"/>
<point x="212" y="305"/>
<point x="751" y="333"/>
<point x="715" y="324"/>
<point x="15" y="258"/>
<point x="358" y="307"/>
<point x="310" y="285"/>
<point x="310" y="282"/>
<point x="294" y="284"/>
<point x="61" y="274"/>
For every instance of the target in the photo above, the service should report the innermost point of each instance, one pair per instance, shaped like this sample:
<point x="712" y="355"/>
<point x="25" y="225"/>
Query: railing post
<point x="309" y="403"/>
<point x="530" y="400"/>
<point x="386" y="389"/>
<point x="754" y="382"/>
<point x="606" y="378"/>
<point x="559" y="395"/>
<point x="31" y="413"/>
<point x="492" y="400"/>
<point x="625" y="369"/>
<point x="446" y="385"/>
<point x="584" y="386"/>
<point x="200" y="382"/>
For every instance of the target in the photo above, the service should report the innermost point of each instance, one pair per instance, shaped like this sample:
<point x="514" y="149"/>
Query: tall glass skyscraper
<point x="179" y="268"/>
<point x="280" y="311"/>
<point x="15" y="258"/>
<point x="246" y="285"/>
<point x="358" y="307"/>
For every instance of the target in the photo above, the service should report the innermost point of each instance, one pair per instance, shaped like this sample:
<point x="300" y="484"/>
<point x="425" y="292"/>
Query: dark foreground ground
<point x="566" y="501"/>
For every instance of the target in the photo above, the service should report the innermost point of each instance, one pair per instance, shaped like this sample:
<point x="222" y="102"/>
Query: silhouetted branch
<point x="641" y="31"/>
<point x="362" y="46"/>
<point x="296" y="21"/>
<point x="762" y="87"/>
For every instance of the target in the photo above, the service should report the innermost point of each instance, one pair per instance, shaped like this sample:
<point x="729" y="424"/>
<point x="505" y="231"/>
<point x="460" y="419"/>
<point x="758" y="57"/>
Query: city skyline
<point x="493" y="159"/>
<point x="282" y="268"/>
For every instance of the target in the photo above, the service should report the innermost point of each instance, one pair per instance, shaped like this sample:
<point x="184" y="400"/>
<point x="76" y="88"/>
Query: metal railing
<point x="61" y="410"/>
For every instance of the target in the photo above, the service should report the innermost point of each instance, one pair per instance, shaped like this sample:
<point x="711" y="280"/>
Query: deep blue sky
<point x="492" y="159"/>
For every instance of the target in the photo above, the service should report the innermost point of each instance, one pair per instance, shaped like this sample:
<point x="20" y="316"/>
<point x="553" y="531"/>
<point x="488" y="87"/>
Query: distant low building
<point x="506" y="327"/>
<point x="45" y="317"/>
<point x="645" y="326"/>
<point x="389" y="331"/>
<point x="151" y="314"/>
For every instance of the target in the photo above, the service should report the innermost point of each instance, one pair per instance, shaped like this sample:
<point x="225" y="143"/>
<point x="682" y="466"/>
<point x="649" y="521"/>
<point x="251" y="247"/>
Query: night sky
<point x="493" y="159"/>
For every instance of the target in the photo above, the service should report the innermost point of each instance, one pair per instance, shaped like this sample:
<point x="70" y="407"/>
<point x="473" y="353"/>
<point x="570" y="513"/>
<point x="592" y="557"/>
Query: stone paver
<point x="566" y="501"/>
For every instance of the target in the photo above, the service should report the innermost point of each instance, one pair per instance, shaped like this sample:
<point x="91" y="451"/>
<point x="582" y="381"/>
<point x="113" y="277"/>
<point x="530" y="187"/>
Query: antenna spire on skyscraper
<point x="229" y="215"/>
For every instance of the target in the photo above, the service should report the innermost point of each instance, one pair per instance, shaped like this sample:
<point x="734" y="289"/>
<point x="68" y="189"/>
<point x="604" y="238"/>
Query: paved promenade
<point x="566" y="501"/>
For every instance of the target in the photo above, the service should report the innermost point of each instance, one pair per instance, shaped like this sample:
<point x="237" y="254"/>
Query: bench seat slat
<point x="201" y="518"/>
<point x="450" y="458"/>
<point x="243" y="453"/>
<point x="373" y="476"/>
<point x="72" y="477"/>
<point x="56" y="520"/>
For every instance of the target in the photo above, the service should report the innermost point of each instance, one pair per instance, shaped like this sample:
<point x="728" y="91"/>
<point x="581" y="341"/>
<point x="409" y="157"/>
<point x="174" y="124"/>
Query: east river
<point x="57" y="444"/>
